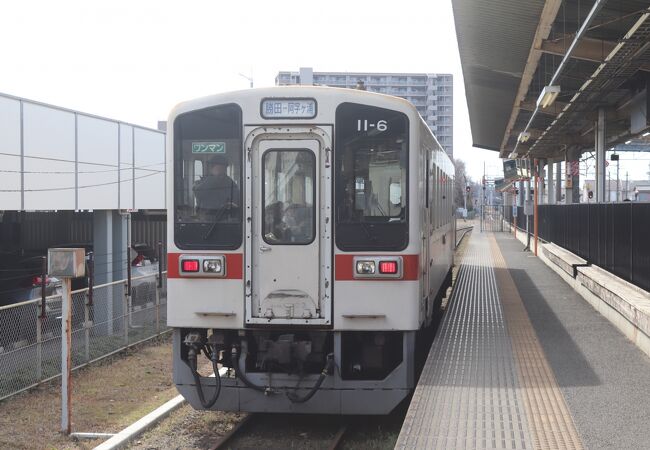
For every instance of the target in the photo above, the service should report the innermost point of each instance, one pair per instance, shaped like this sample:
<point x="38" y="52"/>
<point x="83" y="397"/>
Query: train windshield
<point x="207" y="178"/>
<point x="371" y="178"/>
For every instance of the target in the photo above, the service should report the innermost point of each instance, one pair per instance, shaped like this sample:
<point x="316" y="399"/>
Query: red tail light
<point x="37" y="281"/>
<point x="388" y="267"/>
<point x="190" y="265"/>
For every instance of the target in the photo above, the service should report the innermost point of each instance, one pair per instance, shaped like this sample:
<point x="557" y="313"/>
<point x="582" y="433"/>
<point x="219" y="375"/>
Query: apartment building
<point x="432" y="94"/>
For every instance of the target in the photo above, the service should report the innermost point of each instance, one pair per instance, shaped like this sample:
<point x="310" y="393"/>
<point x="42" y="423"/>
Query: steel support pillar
<point x="600" y="156"/>
<point x="550" y="184"/>
<point x="558" y="182"/>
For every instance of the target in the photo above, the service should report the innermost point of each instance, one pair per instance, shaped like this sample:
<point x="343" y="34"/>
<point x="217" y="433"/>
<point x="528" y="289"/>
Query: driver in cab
<point x="216" y="192"/>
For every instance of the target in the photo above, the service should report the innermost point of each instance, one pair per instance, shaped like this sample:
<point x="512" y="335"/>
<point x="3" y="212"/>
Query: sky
<point x="134" y="60"/>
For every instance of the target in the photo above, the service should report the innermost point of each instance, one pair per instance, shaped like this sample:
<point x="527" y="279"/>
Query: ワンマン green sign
<point x="208" y="147"/>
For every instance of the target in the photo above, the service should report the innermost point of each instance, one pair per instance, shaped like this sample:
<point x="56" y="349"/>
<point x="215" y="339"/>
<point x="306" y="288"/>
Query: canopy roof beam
<point x="549" y="13"/>
<point x="588" y="49"/>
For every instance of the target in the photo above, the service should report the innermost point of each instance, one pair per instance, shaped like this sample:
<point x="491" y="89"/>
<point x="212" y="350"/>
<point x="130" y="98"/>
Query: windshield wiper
<point x="216" y="220"/>
<point x="369" y="231"/>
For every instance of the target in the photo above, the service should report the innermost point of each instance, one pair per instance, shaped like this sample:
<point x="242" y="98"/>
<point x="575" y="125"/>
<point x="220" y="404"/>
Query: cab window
<point x="207" y="178"/>
<point x="371" y="157"/>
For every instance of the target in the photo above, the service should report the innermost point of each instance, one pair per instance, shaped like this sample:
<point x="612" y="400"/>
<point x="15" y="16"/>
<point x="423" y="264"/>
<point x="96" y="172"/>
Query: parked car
<point x="143" y="262"/>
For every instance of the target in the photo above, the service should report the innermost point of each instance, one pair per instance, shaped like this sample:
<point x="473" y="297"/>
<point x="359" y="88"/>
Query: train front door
<point x="287" y="227"/>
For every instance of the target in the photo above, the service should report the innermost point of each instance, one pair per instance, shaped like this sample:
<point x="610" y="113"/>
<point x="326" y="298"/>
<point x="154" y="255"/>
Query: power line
<point x="78" y="187"/>
<point x="70" y="172"/>
<point x="44" y="158"/>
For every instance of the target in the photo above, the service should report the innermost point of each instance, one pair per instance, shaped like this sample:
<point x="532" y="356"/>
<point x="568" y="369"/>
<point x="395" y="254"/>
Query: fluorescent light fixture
<point x="646" y="134"/>
<point x="548" y="96"/>
<point x="524" y="136"/>
<point x="628" y="142"/>
<point x="512" y="155"/>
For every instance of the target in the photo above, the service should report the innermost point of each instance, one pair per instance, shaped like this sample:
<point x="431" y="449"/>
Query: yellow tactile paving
<point x="550" y="422"/>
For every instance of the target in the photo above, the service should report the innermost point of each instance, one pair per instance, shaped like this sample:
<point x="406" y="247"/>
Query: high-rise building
<point x="431" y="93"/>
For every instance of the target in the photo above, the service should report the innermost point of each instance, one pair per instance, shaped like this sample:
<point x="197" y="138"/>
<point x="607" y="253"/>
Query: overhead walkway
<point x="521" y="361"/>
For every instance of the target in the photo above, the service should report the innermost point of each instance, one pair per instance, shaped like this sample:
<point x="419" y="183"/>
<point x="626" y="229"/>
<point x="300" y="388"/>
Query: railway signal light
<point x="590" y="194"/>
<point x="468" y="189"/>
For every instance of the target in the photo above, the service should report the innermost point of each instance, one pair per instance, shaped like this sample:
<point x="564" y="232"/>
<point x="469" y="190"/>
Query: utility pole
<point x="627" y="186"/>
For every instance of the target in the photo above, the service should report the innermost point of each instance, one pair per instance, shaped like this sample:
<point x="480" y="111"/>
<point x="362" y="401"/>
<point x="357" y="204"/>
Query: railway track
<point x="249" y="424"/>
<point x="462" y="231"/>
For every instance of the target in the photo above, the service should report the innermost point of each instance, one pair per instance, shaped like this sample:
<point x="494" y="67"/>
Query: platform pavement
<point x="526" y="363"/>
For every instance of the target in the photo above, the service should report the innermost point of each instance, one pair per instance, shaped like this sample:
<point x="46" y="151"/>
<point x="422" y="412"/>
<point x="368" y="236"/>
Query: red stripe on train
<point x="344" y="268"/>
<point x="234" y="266"/>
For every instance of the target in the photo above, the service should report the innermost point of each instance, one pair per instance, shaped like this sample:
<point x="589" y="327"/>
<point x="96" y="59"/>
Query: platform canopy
<point x="596" y="52"/>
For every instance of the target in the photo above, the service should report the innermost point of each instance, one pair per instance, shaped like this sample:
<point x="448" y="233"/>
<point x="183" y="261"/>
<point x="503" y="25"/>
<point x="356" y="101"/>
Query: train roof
<point x="347" y="94"/>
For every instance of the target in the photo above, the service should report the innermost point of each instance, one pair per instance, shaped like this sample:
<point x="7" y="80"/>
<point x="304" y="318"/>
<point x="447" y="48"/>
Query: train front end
<point x="294" y="250"/>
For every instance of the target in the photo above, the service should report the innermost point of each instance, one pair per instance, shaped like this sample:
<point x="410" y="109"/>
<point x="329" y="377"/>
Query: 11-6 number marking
<point x="363" y="125"/>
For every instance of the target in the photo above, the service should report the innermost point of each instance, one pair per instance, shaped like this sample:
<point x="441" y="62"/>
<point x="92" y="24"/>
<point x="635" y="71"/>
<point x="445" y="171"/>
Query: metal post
<point x="536" y="200"/>
<point x="87" y="331"/>
<point x="126" y="316"/>
<point x="43" y="285"/>
<point x="127" y="302"/>
<point x="66" y="357"/>
<point x="91" y="277"/>
<point x="618" y="181"/>
<point x="527" y="216"/>
<point x="128" y="269"/>
<point x="39" y="344"/>
<point x="160" y="285"/>
<point x="483" y="197"/>
<point x="160" y="263"/>
<point x="558" y="181"/>
<point x="600" y="156"/>
<point x="550" y="191"/>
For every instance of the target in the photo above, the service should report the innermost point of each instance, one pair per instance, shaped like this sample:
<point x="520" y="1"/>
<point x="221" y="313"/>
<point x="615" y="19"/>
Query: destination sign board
<point x="288" y="108"/>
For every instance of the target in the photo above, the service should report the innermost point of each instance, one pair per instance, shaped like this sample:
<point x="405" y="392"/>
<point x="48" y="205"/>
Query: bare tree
<point x="460" y="181"/>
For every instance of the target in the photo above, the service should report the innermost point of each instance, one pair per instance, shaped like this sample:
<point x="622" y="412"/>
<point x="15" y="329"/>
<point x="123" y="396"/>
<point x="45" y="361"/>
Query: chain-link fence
<point x="106" y="322"/>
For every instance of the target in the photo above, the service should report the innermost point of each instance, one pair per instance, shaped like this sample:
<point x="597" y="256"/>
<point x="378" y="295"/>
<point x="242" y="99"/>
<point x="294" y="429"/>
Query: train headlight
<point x="366" y="267"/>
<point x="378" y="267"/>
<point x="213" y="266"/>
<point x="202" y="266"/>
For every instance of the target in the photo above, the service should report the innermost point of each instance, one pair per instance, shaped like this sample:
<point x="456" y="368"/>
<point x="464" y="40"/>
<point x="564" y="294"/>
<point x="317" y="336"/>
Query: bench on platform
<point x="630" y="301"/>
<point x="563" y="258"/>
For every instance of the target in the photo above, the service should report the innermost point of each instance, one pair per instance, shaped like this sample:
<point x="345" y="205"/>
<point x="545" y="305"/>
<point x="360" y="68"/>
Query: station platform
<point x="521" y="361"/>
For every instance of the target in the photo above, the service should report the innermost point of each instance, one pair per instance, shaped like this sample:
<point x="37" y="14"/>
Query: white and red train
<point x="310" y="239"/>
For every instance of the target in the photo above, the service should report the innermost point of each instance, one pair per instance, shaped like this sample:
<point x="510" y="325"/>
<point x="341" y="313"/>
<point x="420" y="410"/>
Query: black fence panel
<point x="640" y="246"/>
<point x="614" y="236"/>
<point x="621" y="220"/>
<point x="521" y="219"/>
<point x="583" y="237"/>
